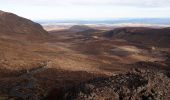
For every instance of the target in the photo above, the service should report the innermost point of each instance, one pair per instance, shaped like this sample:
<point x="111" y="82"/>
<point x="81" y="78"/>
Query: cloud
<point x="87" y="9"/>
<point x="144" y="3"/>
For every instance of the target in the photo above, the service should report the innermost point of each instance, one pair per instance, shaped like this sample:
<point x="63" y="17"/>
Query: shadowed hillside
<point x="137" y="85"/>
<point x="79" y="28"/>
<point x="148" y="36"/>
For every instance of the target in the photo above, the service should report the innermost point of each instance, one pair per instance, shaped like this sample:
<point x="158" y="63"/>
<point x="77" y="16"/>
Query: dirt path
<point x="17" y="91"/>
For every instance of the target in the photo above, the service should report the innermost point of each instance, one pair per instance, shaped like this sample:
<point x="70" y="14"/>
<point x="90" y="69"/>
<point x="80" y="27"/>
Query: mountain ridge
<point x="12" y="24"/>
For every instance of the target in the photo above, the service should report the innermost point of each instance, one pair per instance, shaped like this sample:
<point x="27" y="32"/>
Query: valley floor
<point x="32" y="69"/>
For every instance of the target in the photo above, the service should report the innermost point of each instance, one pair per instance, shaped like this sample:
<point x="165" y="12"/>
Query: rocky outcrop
<point x="136" y="85"/>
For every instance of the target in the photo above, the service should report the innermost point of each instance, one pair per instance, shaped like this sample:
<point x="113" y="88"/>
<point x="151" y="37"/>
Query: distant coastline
<point x="108" y="24"/>
<point x="153" y="21"/>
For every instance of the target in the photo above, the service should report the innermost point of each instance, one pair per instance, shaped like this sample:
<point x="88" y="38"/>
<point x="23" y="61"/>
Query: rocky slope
<point x="136" y="85"/>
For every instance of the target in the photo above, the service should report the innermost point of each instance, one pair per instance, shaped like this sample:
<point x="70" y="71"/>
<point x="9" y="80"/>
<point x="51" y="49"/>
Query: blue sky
<point x="87" y="9"/>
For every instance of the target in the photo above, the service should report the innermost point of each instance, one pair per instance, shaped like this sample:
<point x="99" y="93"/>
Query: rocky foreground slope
<point x="136" y="85"/>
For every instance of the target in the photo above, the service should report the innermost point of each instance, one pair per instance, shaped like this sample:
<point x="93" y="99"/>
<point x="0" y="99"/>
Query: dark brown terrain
<point x="79" y="28"/>
<point x="15" y="26"/>
<point x="59" y="64"/>
<point x="147" y="36"/>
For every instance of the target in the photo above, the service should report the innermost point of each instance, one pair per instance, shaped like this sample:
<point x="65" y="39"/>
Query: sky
<point x="87" y="9"/>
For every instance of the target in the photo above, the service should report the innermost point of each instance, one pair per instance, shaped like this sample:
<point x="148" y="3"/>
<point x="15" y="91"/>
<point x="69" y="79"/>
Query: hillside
<point x="79" y="28"/>
<point x="18" y="40"/>
<point x="13" y="25"/>
<point x="148" y="36"/>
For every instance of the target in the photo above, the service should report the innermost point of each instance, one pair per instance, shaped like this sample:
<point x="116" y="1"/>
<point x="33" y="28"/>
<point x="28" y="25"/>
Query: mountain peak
<point x="13" y="24"/>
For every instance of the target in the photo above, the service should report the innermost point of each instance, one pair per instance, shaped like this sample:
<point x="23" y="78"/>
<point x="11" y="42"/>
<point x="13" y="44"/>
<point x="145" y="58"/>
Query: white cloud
<point x="87" y="9"/>
<point x="148" y="3"/>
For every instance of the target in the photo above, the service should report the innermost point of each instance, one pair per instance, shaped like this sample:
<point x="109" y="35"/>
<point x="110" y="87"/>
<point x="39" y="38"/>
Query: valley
<point x="37" y="64"/>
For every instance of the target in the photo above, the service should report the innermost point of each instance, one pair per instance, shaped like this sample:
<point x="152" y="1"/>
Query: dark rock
<point x="136" y="85"/>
